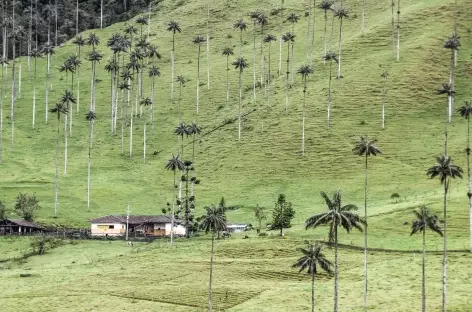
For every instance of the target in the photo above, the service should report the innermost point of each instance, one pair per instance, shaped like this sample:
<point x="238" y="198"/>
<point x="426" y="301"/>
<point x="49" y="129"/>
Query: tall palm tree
<point x="255" y="18"/>
<point x="384" y="75"/>
<point x="304" y="71"/>
<point x="181" y="80"/>
<point x="445" y="170"/>
<point x="365" y="147"/>
<point x="90" y="117"/>
<point x="58" y="109"/>
<point x="79" y="42"/>
<point x="293" y="19"/>
<point x="141" y="21"/>
<point x="181" y="130"/>
<point x="466" y="111"/>
<point x="424" y="221"/>
<point x="94" y="57"/>
<point x="112" y="68"/>
<point x="227" y="52"/>
<point x="269" y="39"/>
<point x="341" y="14"/>
<point x="194" y="130"/>
<point x="336" y="216"/>
<point x="447" y="90"/>
<point x="241" y="26"/>
<point x="213" y="221"/>
<point x="262" y="22"/>
<point x="208" y="46"/>
<point x="281" y="9"/>
<point x="331" y="56"/>
<point x="289" y="38"/>
<point x="75" y="62"/>
<point x="240" y="64"/>
<point x="145" y="102"/>
<point x="174" y="164"/>
<point x="93" y="40"/>
<point x="49" y="51"/>
<point x="130" y="30"/>
<point x="123" y="86"/>
<point x="198" y="40"/>
<point x="312" y="258"/>
<point x="67" y="98"/>
<point x="393" y="28"/>
<point x="35" y="54"/>
<point x="453" y="44"/>
<point x="174" y="27"/>
<point x="153" y="73"/>
<point x="326" y="6"/>
<point x="398" y="32"/>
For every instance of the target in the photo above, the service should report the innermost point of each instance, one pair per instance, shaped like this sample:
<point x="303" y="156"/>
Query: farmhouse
<point x="115" y="225"/>
<point x="18" y="227"/>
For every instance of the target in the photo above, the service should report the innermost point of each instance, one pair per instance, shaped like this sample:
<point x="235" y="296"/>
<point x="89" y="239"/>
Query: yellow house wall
<point x="103" y="229"/>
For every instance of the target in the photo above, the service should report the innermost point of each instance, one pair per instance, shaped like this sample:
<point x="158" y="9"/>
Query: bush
<point x="41" y="244"/>
<point x="263" y="234"/>
<point x="26" y="206"/>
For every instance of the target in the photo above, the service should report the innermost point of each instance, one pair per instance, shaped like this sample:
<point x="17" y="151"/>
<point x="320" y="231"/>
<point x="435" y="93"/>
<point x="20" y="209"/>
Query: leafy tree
<point x="336" y="216"/>
<point x="311" y="260"/>
<point x="259" y="214"/>
<point x="174" y="27"/>
<point x="282" y="214"/>
<point x="304" y="71"/>
<point x="365" y="147"/>
<point x="466" y="111"/>
<point x="26" y="206"/>
<point x="198" y="40"/>
<point x="227" y="52"/>
<point x="213" y="221"/>
<point x="445" y="170"/>
<point x="289" y="38"/>
<point x="341" y="14"/>
<point x="240" y="64"/>
<point x="424" y="221"/>
<point x="326" y="6"/>
<point x="174" y="165"/>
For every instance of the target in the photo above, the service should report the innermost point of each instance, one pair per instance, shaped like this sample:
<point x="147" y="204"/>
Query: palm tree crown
<point x="331" y="56"/>
<point x="181" y="79"/>
<point x="326" y="5"/>
<point x="175" y="164"/>
<point x="465" y="110"/>
<point x="293" y="18"/>
<point x="305" y="71"/>
<point x="366" y="147"/>
<point x="341" y="13"/>
<point x="146" y="102"/>
<point x="446" y="89"/>
<point x="452" y="42"/>
<point x="312" y="258"/>
<point x="130" y="29"/>
<point x="424" y="220"/>
<point x="262" y="19"/>
<point x="193" y="129"/>
<point x="240" y="24"/>
<point x="269" y="38"/>
<point x="214" y="220"/>
<point x="444" y="169"/>
<point x="59" y="109"/>
<point x="154" y="71"/>
<point x="79" y="41"/>
<point x="181" y="130"/>
<point x="227" y="51"/>
<point x="173" y="26"/>
<point x="142" y="20"/>
<point x="240" y="63"/>
<point x="93" y="39"/>
<point x="199" y="39"/>
<point x="288" y="37"/>
<point x="68" y="97"/>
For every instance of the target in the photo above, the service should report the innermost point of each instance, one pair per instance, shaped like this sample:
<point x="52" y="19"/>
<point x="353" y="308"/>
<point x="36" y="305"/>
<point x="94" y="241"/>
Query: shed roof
<point x="21" y="222"/>
<point x="137" y="219"/>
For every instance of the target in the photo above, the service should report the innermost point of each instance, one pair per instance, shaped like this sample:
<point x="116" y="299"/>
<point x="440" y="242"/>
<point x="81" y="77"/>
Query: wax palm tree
<point x="145" y="102"/>
<point x="241" y="26"/>
<point x="141" y="21"/>
<point x="445" y="170"/>
<point x="194" y="130"/>
<point x="262" y="22"/>
<point x="35" y="54"/>
<point x="424" y="221"/>
<point x="130" y="30"/>
<point x="174" y="27"/>
<point x="384" y="76"/>
<point x="181" y="130"/>
<point x="449" y="92"/>
<point x="312" y="260"/>
<point x="293" y="19"/>
<point x="393" y="27"/>
<point x="79" y="42"/>
<point x="240" y="64"/>
<point x="255" y="18"/>
<point x="341" y="14"/>
<point x="123" y="86"/>
<point x="269" y="39"/>
<point x="174" y="164"/>
<point x="59" y="109"/>
<point x="75" y="62"/>
<point x="94" y="57"/>
<point x="213" y="221"/>
<point x="90" y="117"/>
<point x="112" y="68"/>
<point x="365" y="147"/>
<point x="153" y="53"/>
<point x="331" y="56"/>
<point x="93" y="40"/>
<point x="289" y="38"/>
<point x="453" y="44"/>
<point x="49" y="51"/>
<point x="153" y="73"/>
<point x="326" y="6"/>
<point x="466" y="112"/>
<point x="198" y="40"/>
<point x="304" y="71"/>
<point x="336" y="216"/>
<point x="181" y="81"/>
<point x="398" y="31"/>
<point x="227" y="52"/>
<point x="67" y="99"/>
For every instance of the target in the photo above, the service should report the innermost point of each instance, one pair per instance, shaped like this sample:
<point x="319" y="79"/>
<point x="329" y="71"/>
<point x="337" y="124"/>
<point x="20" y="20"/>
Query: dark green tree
<point x="26" y="206"/>
<point x="282" y="214"/>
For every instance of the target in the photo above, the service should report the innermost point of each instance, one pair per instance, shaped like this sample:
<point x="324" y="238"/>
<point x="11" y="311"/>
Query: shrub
<point x="26" y="206"/>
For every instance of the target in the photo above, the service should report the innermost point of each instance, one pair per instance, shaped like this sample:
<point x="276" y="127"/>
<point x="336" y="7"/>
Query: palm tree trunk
<point x="254" y="64"/>
<point x="89" y="166"/>
<point x="308" y="30"/>
<point x="77" y="19"/>
<point x="324" y="35"/>
<point x="144" y="154"/>
<point x="336" y="273"/>
<point x="211" y="272"/>
<point x="332" y="35"/>
<point x="122" y="122"/>
<point x="65" y="141"/>
<point x="340" y="46"/>
<point x="172" y="74"/>
<point x="469" y="193"/>
<point x="1" y="112"/>
<point x="363" y="16"/>
<point x="57" y="170"/>
<point x="173" y="216"/>
<point x="365" y="235"/>
<point x="262" y="55"/>
<point x="131" y="138"/>
<point x="398" y="32"/>
<point x="312" y="291"/>
<point x="423" y="283"/>
<point x="303" y="117"/>
<point x="451" y="82"/>
<point x="198" y="78"/>
<point x="329" y="92"/>
<point x="227" y="78"/>
<point x="286" y="78"/>
<point x="30" y="33"/>
<point x="34" y="93"/>
<point x="180" y="99"/>
<point x="383" y="106"/>
<point x="393" y="28"/>
<point x="13" y="88"/>
<point x="78" y="86"/>
<point x="55" y="23"/>
<point x="71" y="107"/>
<point x="19" y="78"/>
<point x="208" y="48"/>
<point x="152" y="105"/>
<point x="101" y="14"/>
<point x="292" y="62"/>
<point x="239" y="104"/>
<point x="47" y="83"/>
<point x="446" y="187"/>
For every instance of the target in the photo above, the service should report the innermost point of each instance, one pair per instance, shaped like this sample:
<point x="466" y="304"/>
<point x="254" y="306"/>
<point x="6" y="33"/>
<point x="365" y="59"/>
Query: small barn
<point x="18" y="227"/>
<point x="143" y="225"/>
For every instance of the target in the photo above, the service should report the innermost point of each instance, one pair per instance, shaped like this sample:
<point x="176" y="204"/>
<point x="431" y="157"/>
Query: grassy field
<point x="253" y="274"/>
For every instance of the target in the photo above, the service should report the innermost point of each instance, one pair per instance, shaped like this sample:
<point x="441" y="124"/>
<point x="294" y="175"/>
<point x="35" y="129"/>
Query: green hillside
<point x="266" y="161"/>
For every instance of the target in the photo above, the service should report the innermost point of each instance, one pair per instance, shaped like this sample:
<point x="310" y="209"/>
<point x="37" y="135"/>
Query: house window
<point x="111" y="227"/>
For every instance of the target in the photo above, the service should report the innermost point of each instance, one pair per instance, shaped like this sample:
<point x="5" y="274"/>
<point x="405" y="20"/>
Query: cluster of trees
<point x="26" y="206"/>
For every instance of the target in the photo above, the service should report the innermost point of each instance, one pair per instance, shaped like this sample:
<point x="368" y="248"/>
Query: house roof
<point x="25" y="223"/>
<point x="137" y="219"/>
